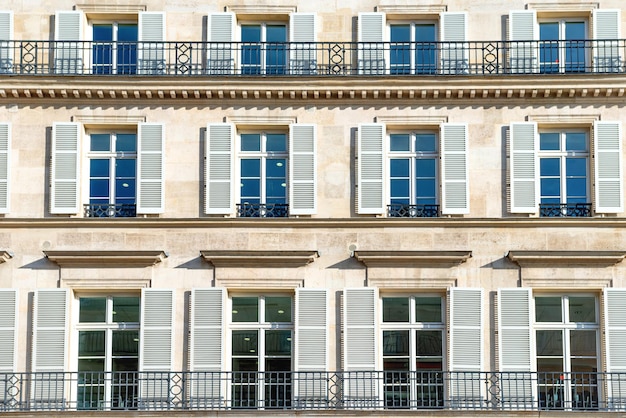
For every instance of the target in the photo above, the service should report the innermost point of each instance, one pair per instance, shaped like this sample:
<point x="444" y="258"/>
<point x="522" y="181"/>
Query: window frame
<point x="114" y="43"/>
<point x="432" y="67"/>
<point x="262" y="67"/>
<point x="562" y="44"/>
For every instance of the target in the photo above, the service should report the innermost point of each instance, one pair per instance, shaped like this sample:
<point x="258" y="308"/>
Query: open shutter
<point x="523" y="146"/>
<point x="220" y="35"/>
<point x="360" y="348"/>
<point x="219" y="168"/>
<point x="311" y="348"/>
<point x="454" y="50"/>
<point x="466" y="347"/>
<point x="371" y="50"/>
<point x="156" y="347"/>
<point x="5" y="167"/>
<point x="302" y="35"/>
<point x="206" y="348"/>
<point x="6" y="35"/>
<point x="454" y="171"/>
<point x="68" y="56"/>
<point x="150" y="168"/>
<point x="370" y="149"/>
<point x="515" y="348"/>
<point x="302" y="169"/>
<point x="523" y="34"/>
<point x="8" y="332"/>
<point x="49" y="357"/>
<point x="151" y="53"/>
<point x="64" y="168"/>
<point x="609" y="196"/>
<point x="615" y="343"/>
<point x="606" y="49"/>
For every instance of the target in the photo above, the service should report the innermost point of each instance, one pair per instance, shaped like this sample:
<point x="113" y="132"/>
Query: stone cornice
<point x="237" y="258"/>
<point x="114" y="259"/>
<point x="412" y="258"/>
<point x="566" y="258"/>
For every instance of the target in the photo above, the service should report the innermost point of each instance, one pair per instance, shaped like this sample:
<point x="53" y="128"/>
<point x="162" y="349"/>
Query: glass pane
<point x="125" y="190"/>
<point x="278" y="343"/>
<point x="245" y="309"/>
<point x="549" y="365"/>
<point x="400" y="33"/>
<point x="399" y="142"/>
<point x="126" y="143"/>
<point x="275" y="54"/>
<point x="582" y="309"/>
<point x="425" y="188"/>
<point x="276" y="142"/>
<point x="549" y="31"/>
<point x="278" y="365"/>
<point x="395" y="364"/>
<point x="100" y="142"/>
<point x="400" y="50"/>
<point x="399" y="190"/>
<point x="92" y="310"/>
<point x="91" y="344"/>
<point x="576" y="141"/>
<point x="548" y="309"/>
<point x="399" y="167"/>
<point x="276" y="167"/>
<point x="425" y="143"/>
<point x="277" y="309"/>
<point x="425" y="49"/>
<point x="575" y="31"/>
<point x="126" y="167"/>
<point x="245" y="343"/>
<point x="576" y="188"/>
<point x="425" y="32"/>
<point x="125" y="343"/>
<point x="425" y="167"/>
<point x="99" y="167"/>
<point x="549" y="141"/>
<point x="250" y="142"/>
<point x="250" y="33"/>
<point x="576" y="167"/>
<point x="584" y="365"/>
<point x="126" y="308"/>
<point x="250" y="191"/>
<point x="276" y="33"/>
<point x="429" y="343"/>
<point x="99" y="189"/>
<point x="550" y="167"/>
<point x="428" y="309"/>
<point x="583" y="343"/>
<point x="90" y="365"/>
<point x="251" y="168"/>
<point x="550" y="343"/>
<point x="245" y="365"/>
<point x="396" y="343"/>
<point x="276" y="190"/>
<point x="396" y="310"/>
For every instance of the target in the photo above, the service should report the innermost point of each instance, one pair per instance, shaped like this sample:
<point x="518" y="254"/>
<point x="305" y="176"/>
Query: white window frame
<point x="562" y="42"/>
<point x="114" y="23"/>
<point x="412" y="23"/>
<point x="263" y="50"/>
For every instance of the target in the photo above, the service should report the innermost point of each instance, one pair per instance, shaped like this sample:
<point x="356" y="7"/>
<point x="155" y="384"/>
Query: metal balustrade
<point x="291" y="390"/>
<point x="263" y="210"/>
<point x="397" y="210"/>
<point x="124" y="210"/>
<point x="71" y="58"/>
<point x="556" y="210"/>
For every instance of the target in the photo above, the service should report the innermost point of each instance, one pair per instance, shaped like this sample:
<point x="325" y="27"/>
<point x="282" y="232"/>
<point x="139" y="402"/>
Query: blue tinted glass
<point x="425" y="188"/>
<point x="251" y="54"/>
<point x="551" y="200"/>
<point x="126" y="142"/>
<point x="276" y="188"/>
<point x="400" y="33"/>
<point x="425" y="49"/>
<point x="425" y="201"/>
<point x="276" y="142"/>
<point x="250" y="188"/>
<point x="551" y="187"/>
<point x="99" y="167"/>
<point x="399" y="167"/>
<point x="400" y="189"/>
<point x="100" y="142"/>
<point x="425" y="167"/>
<point x="576" y="167"/>
<point x="425" y="33"/>
<point x="576" y="141"/>
<point x="399" y="142"/>
<point x="125" y="167"/>
<point x="549" y="51"/>
<point x="275" y="55"/>
<point x="250" y="33"/>
<point x="276" y="33"/>
<point x="549" y="141"/>
<point x="276" y="167"/>
<point x="549" y="167"/>
<point x="102" y="53"/>
<point x="125" y="188"/>
<point x="127" y="32"/>
<point x="425" y="142"/>
<point x="576" y="187"/>
<point x="99" y="189"/>
<point x="127" y="49"/>
<point x="575" y="31"/>
<point x="250" y="142"/>
<point x="400" y="50"/>
<point x="549" y="31"/>
<point x="103" y="32"/>
<point x="250" y="167"/>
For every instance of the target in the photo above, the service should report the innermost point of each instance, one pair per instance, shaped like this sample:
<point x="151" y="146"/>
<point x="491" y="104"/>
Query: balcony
<point x="290" y="390"/>
<point x="124" y="210"/>
<point x="262" y="210"/>
<point x="397" y="210"/>
<point x="556" y="210"/>
<point x="219" y="59"/>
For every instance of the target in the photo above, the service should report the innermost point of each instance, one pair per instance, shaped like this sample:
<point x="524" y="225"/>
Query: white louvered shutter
<point x="615" y="343"/>
<point x="156" y="344"/>
<point x="466" y="346"/>
<point x="371" y="163"/>
<point x="220" y="35"/>
<point x="524" y="167"/>
<point x="606" y="49"/>
<point x="5" y="167"/>
<point x="371" y="50"/>
<point x="68" y="56"/>
<point x="523" y="32"/>
<point x="302" y="169"/>
<point x="6" y="35"/>
<point x="206" y="347"/>
<point x="8" y="332"/>
<point x="64" y="168"/>
<point x="49" y="356"/>
<point x="151" y="34"/>
<point x="454" y="49"/>
<point x="360" y="347"/>
<point x="302" y="35"/>
<point x="151" y="141"/>
<point x="609" y="194"/>
<point x="515" y="348"/>
<point x="219" y="168"/>
<point x="311" y="347"/>
<point x="454" y="171"/>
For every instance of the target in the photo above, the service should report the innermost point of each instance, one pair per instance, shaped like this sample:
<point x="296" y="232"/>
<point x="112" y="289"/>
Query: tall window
<point x="108" y="352"/>
<point x="562" y="46"/>
<point x="567" y="355"/>
<point x="114" y="48"/>
<point x="262" y="332"/>
<point x="413" y="347"/>
<point x="564" y="173"/>
<point x="413" y="49"/>
<point x="263" y="49"/>
<point x="413" y="183"/>
<point x="112" y="174"/>
<point x="263" y="174"/>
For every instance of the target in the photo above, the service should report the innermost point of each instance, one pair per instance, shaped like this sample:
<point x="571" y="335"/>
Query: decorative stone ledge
<point x="566" y="258"/>
<point x="108" y="259"/>
<point x="259" y="258"/>
<point x="5" y="256"/>
<point x="441" y="259"/>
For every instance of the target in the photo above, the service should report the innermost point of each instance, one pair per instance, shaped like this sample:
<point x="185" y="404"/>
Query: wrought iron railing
<point x="123" y="210"/>
<point x="263" y="210"/>
<point x="555" y="210"/>
<point x="396" y="210"/>
<point x="35" y="57"/>
<point x="354" y="390"/>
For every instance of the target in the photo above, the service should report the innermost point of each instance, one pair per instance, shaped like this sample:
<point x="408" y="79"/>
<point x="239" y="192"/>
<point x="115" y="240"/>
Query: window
<point x="114" y="48"/>
<point x="413" y="49"/>
<point x="263" y="50"/>
<point x="112" y="174"/>
<point x="562" y="46"/>
<point x="567" y="341"/>
<point x="108" y="352"/>
<point x="413" y="347"/>
<point x="262" y="332"/>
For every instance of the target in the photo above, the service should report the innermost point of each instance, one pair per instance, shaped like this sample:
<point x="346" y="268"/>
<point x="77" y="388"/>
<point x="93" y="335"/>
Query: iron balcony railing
<point x="123" y="210"/>
<point x="33" y="57"/>
<point x="557" y="210"/>
<point x="397" y="210"/>
<point x="262" y="210"/>
<point x="354" y="390"/>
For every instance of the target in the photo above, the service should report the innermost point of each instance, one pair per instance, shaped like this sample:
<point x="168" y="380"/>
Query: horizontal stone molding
<point x="441" y="259"/>
<point x="113" y="259"/>
<point x="259" y="259"/>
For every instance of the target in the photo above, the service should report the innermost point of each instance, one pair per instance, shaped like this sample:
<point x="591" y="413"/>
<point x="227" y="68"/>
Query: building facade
<point x="313" y="206"/>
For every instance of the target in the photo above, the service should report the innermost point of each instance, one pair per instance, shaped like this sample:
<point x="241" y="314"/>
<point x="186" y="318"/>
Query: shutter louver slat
<point x="8" y="328"/>
<point x="220" y="34"/>
<point x="524" y="183"/>
<point x="523" y="52"/>
<point x="150" y="168"/>
<point x="371" y="52"/>
<point x="454" y="50"/>
<point x="608" y="167"/>
<point x="151" y="53"/>
<point x="5" y="166"/>
<point x="454" y="182"/>
<point x="606" y="49"/>
<point x="68" y="55"/>
<point x="64" y="168"/>
<point x="219" y="170"/>
<point x="370" y="168"/>
<point x="302" y="168"/>
<point x="302" y="35"/>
